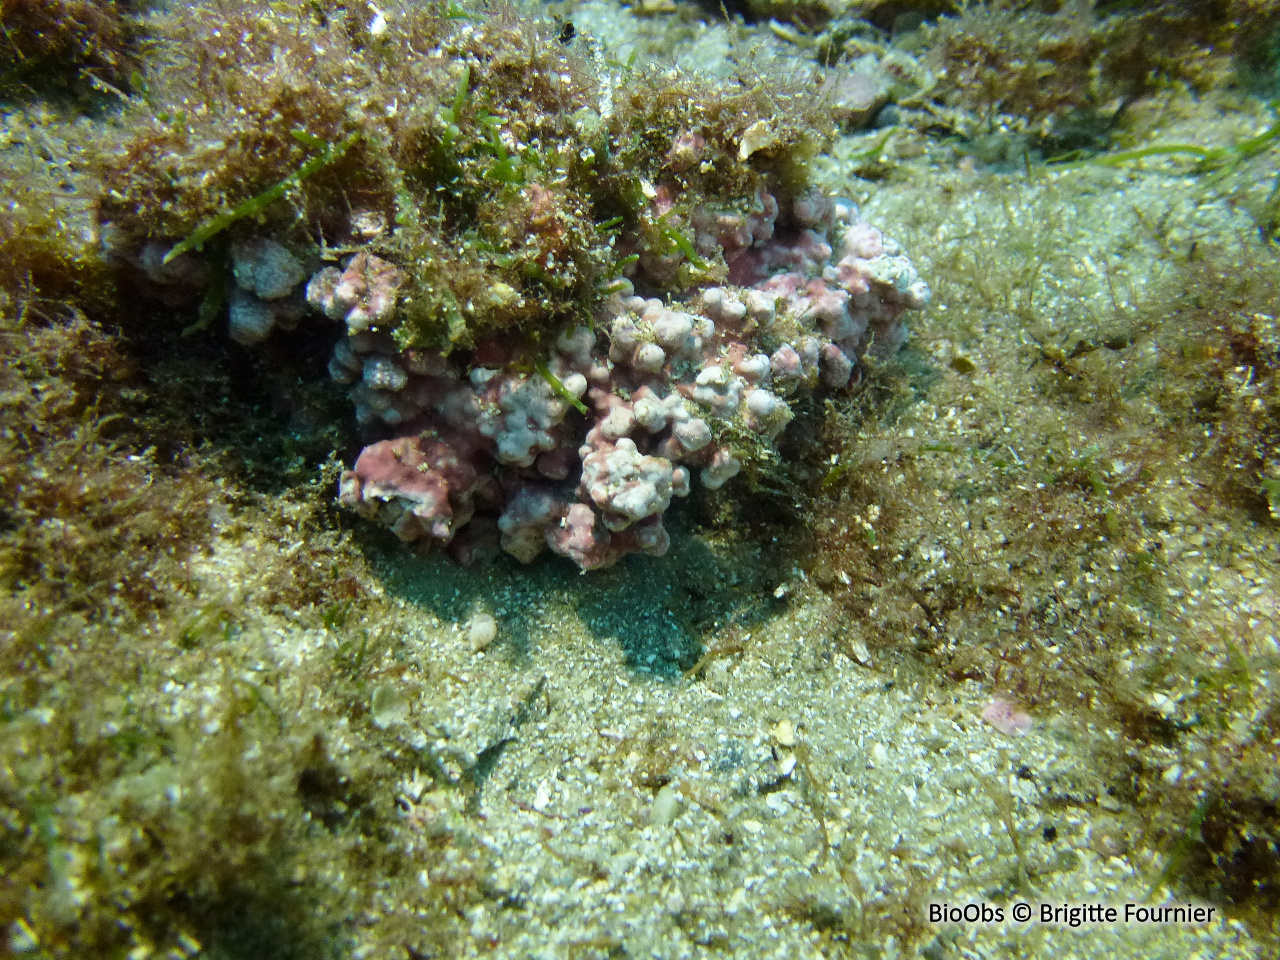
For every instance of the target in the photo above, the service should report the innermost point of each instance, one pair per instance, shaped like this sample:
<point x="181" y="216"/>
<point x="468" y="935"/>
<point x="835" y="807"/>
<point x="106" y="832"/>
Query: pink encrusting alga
<point x="581" y="448"/>
<point x="1007" y="717"/>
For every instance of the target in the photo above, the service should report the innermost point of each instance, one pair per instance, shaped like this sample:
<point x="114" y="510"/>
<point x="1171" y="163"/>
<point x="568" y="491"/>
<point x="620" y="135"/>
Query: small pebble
<point x="785" y="734"/>
<point x="666" y="806"/>
<point x="856" y="646"/>
<point x="483" y="631"/>
<point x="387" y="707"/>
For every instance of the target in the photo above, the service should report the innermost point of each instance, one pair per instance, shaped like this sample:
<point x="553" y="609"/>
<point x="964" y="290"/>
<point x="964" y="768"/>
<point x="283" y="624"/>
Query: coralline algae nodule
<point x="672" y="391"/>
